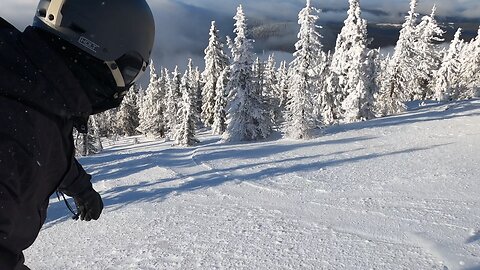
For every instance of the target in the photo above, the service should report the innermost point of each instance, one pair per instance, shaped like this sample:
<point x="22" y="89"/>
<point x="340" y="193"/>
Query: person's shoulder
<point x="6" y="25"/>
<point x="8" y="32"/>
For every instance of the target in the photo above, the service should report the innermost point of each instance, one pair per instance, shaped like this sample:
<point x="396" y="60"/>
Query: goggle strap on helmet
<point x="54" y="14"/>
<point x="117" y="74"/>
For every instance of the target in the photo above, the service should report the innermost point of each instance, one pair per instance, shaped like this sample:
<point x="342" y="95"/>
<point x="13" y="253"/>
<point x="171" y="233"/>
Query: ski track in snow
<point x="393" y="193"/>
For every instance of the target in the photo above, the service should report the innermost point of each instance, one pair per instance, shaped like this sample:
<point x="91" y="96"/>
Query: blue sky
<point x="182" y="25"/>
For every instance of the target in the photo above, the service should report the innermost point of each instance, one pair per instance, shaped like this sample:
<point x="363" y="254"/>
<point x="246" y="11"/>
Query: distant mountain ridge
<point x="281" y="36"/>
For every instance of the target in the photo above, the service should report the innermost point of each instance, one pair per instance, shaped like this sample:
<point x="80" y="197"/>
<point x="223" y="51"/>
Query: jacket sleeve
<point x="76" y="180"/>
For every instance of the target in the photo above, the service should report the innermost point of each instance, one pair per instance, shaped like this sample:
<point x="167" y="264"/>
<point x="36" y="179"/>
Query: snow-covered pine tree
<point x="220" y="115"/>
<point x="470" y="69"/>
<point x="394" y="88"/>
<point x="194" y="84"/>
<point x="97" y="141"/>
<point x="127" y="115"/>
<point x="373" y="75"/>
<point x="140" y="103"/>
<point x="198" y="88"/>
<point x="105" y="121"/>
<point x="187" y="115"/>
<point x="230" y="46"/>
<point x="347" y="61"/>
<point x="145" y="116"/>
<point x="271" y="91"/>
<point x="300" y="119"/>
<point x="283" y="85"/>
<point x="360" y="104"/>
<point x="258" y="68"/>
<point x="447" y="79"/>
<point x="327" y="107"/>
<point x="89" y="143"/>
<point x="329" y="101"/>
<point x="248" y="119"/>
<point x="215" y="63"/>
<point x="163" y="84"/>
<point x="173" y="98"/>
<point x="428" y="57"/>
<point x="152" y="122"/>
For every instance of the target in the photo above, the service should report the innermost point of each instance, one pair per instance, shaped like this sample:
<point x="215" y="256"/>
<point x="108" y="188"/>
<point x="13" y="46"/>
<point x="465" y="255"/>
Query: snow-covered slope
<point x="395" y="193"/>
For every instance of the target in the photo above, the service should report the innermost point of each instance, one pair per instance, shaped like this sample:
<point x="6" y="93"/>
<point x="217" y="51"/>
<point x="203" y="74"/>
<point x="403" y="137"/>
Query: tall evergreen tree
<point x="248" y="117"/>
<point x="470" y="68"/>
<point x="271" y="91"/>
<point x="360" y="104"/>
<point x="194" y="82"/>
<point x="185" y="128"/>
<point x="128" y="113"/>
<point x="198" y="88"/>
<point x="173" y="98"/>
<point x="104" y="123"/>
<point x="447" y="82"/>
<point x="152" y="121"/>
<point x="215" y="63"/>
<point x="220" y="115"/>
<point x="230" y="46"/>
<point x="400" y="69"/>
<point x="348" y="59"/>
<point x="283" y="85"/>
<point x="258" y="68"/>
<point x="428" y="57"/>
<point x="195" y="86"/>
<point x="327" y="108"/>
<point x="304" y="75"/>
<point x="140" y="103"/>
<point x="87" y="144"/>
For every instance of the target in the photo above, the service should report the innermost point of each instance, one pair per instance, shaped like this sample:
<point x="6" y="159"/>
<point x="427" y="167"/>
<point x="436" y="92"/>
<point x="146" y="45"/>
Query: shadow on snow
<point x="114" y="166"/>
<point x="432" y="112"/>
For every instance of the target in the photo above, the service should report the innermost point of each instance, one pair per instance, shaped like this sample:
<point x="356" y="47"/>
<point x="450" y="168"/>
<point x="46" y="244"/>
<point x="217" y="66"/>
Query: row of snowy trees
<point x="242" y="98"/>
<point x="420" y="69"/>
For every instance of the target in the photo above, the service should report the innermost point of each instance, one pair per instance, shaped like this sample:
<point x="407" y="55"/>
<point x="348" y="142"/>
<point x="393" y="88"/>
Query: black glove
<point x="89" y="204"/>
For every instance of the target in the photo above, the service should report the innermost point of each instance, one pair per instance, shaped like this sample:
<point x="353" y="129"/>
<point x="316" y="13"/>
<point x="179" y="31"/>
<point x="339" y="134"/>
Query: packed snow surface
<point x="400" y="192"/>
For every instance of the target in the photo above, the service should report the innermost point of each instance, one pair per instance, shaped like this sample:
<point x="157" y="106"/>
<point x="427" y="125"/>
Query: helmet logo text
<point x="88" y="44"/>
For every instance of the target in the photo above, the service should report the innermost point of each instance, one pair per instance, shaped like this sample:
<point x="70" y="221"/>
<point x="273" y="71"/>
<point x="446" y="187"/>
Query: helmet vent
<point x="77" y="28"/>
<point x="42" y="13"/>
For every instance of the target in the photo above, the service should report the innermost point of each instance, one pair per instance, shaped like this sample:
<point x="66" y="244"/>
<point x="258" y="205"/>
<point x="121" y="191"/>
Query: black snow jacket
<point x="39" y="102"/>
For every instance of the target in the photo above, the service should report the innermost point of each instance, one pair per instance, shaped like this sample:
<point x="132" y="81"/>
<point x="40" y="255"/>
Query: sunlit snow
<point x="399" y="192"/>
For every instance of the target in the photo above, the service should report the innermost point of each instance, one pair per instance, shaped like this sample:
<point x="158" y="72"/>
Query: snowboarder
<point x="78" y="58"/>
